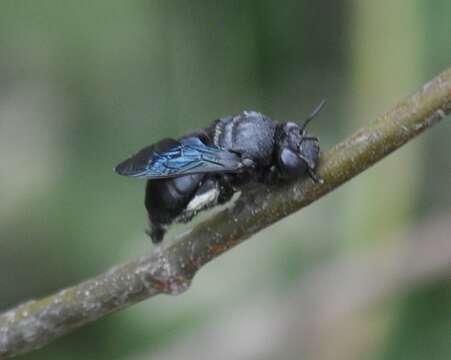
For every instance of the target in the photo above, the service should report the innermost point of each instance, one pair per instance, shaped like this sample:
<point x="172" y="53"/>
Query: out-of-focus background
<point x="365" y="273"/>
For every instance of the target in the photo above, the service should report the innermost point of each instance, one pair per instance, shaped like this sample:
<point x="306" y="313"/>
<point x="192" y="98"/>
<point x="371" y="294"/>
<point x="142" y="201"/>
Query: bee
<point x="206" y="167"/>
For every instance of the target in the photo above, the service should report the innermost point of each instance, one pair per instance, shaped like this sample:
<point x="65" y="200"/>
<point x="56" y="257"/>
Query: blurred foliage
<point x="423" y="322"/>
<point x="83" y="84"/>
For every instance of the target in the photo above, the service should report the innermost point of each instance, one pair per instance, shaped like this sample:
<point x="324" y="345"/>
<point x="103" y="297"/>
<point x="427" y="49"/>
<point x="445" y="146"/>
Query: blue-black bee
<point x="206" y="167"/>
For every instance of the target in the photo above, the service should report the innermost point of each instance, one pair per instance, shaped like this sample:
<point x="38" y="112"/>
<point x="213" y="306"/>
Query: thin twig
<point x="308" y="321"/>
<point x="170" y="270"/>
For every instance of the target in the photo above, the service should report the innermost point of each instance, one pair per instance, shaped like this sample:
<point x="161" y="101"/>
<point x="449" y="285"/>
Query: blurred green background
<point x="85" y="83"/>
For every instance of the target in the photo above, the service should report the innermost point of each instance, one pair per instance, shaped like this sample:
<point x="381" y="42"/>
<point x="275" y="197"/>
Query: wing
<point x="171" y="158"/>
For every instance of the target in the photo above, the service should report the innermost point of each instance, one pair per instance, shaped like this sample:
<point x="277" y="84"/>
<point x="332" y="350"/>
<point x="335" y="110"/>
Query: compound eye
<point x="291" y="164"/>
<point x="309" y="152"/>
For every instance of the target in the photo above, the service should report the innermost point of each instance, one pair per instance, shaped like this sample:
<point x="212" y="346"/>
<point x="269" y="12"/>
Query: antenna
<point x="313" y="114"/>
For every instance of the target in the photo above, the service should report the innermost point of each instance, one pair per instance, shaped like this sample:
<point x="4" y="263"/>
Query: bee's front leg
<point x="269" y="176"/>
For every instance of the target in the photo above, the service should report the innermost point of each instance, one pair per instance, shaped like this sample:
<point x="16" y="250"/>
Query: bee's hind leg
<point x="212" y="192"/>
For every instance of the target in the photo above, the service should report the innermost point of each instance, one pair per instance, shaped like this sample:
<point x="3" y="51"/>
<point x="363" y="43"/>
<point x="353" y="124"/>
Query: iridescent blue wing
<point x="171" y="158"/>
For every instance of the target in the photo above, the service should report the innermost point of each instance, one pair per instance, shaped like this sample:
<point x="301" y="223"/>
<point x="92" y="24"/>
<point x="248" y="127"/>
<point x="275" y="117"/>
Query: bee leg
<point x="269" y="176"/>
<point x="273" y="175"/>
<point x="263" y="175"/>
<point x="315" y="177"/>
<point x="226" y="188"/>
<point x="206" y="196"/>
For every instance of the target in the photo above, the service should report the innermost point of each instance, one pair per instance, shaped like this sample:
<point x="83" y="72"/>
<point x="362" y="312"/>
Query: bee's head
<point x="297" y="151"/>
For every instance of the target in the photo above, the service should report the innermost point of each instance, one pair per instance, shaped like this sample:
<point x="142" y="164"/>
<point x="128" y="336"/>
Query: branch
<point x="332" y="296"/>
<point x="170" y="270"/>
